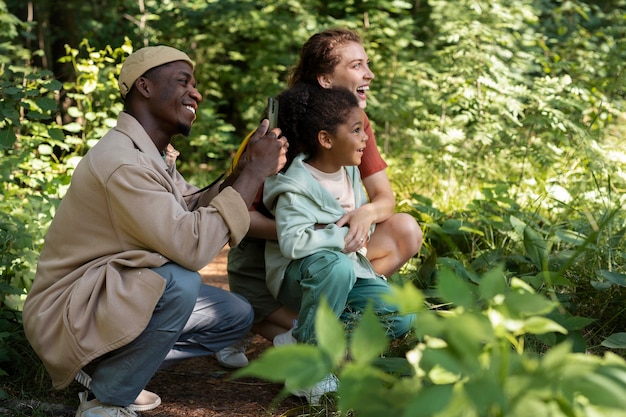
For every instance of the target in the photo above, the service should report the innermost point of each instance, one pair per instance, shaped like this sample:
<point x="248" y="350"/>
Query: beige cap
<point x="144" y="59"/>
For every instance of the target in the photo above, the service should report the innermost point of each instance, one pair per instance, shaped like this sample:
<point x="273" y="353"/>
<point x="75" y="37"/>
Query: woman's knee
<point x="400" y="235"/>
<point x="408" y="226"/>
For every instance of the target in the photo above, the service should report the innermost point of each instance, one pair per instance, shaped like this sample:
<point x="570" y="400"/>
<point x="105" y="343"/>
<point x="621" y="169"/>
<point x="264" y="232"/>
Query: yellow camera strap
<point x="240" y="151"/>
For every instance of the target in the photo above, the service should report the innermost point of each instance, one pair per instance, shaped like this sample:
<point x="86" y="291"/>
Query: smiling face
<point x="175" y="98"/>
<point x="352" y="72"/>
<point x="345" y="146"/>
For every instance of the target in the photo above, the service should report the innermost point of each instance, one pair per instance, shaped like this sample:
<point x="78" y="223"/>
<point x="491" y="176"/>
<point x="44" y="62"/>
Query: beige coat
<point x="124" y="213"/>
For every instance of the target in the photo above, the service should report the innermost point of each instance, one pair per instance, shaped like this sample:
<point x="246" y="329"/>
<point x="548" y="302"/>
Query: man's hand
<point x="266" y="152"/>
<point x="265" y="155"/>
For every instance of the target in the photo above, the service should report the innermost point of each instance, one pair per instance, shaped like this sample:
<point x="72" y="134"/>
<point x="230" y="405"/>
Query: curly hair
<point x="307" y="109"/>
<point x="318" y="55"/>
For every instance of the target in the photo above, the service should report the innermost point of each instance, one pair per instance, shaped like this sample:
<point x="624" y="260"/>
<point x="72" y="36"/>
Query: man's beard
<point x="184" y="129"/>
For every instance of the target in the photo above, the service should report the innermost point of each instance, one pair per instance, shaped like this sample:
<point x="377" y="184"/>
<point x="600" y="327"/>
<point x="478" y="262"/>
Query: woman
<point x="329" y="59"/>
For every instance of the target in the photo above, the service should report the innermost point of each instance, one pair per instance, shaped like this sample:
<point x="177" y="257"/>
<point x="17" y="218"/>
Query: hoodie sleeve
<point x="296" y="221"/>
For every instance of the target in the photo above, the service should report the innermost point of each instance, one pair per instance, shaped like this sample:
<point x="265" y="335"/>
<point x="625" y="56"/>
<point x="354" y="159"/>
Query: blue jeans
<point x="191" y="319"/>
<point x="331" y="275"/>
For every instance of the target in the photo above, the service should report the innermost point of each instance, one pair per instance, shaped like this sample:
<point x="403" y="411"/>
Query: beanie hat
<point x="144" y="59"/>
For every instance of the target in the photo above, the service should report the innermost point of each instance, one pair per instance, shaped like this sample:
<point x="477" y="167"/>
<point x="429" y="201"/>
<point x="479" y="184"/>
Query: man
<point x="117" y="295"/>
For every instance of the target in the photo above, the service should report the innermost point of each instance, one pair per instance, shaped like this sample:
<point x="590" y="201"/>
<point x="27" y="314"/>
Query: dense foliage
<point x="501" y="122"/>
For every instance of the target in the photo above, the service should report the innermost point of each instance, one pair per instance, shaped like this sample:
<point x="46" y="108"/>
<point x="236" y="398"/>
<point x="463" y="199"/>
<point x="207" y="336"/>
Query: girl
<point x="312" y="259"/>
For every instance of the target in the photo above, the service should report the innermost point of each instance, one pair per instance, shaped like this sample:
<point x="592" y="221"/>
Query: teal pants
<point x="330" y="275"/>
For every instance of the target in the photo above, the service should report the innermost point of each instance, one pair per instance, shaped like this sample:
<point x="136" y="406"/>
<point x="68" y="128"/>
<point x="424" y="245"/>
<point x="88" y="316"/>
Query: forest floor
<point x="199" y="387"/>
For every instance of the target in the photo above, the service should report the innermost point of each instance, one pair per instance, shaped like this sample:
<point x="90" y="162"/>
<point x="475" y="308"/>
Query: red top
<point x="371" y="163"/>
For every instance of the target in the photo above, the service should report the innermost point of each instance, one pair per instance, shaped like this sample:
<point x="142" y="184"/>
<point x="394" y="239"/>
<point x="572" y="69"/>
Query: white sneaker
<point x="315" y="393"/>
<point x="285" y="338"/>
<point x="145" y="401"/>
<point x="95" y="408"/>
<point x="234" y="356"/>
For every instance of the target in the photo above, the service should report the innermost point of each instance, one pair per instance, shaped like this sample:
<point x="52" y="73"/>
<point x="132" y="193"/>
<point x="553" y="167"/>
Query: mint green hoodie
<point x="299" y="202"/>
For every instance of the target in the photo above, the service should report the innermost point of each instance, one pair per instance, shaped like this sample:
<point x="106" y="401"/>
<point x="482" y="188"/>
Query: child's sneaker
<point x="234" y="356"/>
<point x="285" y="338"/>
<point x="315" y="393"/>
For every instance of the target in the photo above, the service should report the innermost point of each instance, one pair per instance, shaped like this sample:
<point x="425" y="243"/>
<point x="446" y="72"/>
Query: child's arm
<point x="299" y="225"/>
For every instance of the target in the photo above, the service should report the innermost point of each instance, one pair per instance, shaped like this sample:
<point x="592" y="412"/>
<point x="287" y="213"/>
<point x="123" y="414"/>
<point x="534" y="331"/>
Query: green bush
<point x="470" y="358"/>
<point x="502" y="123"/>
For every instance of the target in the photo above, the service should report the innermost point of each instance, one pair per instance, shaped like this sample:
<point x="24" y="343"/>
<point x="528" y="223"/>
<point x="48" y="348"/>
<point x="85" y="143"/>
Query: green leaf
<point x="556" y="357"/>
<point x="394" y="365"/>
<point x="614" y="277"/>
<point x="536" y="247"/>
<point x="407" y="298"/>
<point x="430" y="401"/>
<point x="46" y="104"/>
<point x="368" y="339"/>
<point x="56" y="134"/>
<point x="331" y="335"/>
<point x="363" y="389"/>
<point x="436" y="361"/>
<point x="454" y="227"/>
<point x="542" y="325"/>
<point x="53" y="85"/>
<point x="453" y="289"/>
<point x="468" y="333"/>
<point x="615" y="341"/>
<point x="486" y="393"/>
<point x="570" y="322"/>
<point x="555" y="278"/>
<point x="12" y="90"/>
<point x="601" y="390"/>
<point x="10" y="113"/>
<point x="526" y="304"/>
<point x="298" y="366"/>
<point x="7" y="138"/>
<point x="572" y="237"/>
<point x="493" y="283"/>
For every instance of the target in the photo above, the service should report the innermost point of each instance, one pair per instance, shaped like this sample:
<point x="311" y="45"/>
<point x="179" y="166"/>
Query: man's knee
<point x="183" y="285"/>
<point x="241" y="309"/>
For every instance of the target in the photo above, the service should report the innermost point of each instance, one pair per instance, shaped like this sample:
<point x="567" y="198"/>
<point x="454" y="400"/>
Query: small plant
<point x="470" y="358"/>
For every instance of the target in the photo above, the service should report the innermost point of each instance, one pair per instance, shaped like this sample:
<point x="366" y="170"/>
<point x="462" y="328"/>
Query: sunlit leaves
<point x="298" y="366"/>
<point x="368" y="339"/>
<point x="331" y="334"/>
